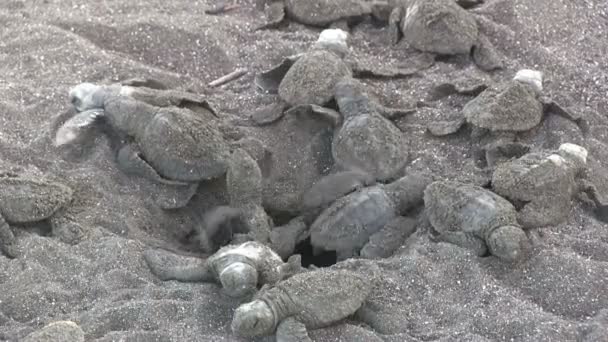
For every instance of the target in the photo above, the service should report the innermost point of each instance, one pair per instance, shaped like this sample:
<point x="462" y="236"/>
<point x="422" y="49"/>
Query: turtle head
<point x="509" y="243"/>
<point x="533" y="78"/>
<point x="239" y="279"/>
<point x="333" y="40"/>
<point x="253" y="319"/>
<point x="85" y="96"/>
<point x="76" y="127"/>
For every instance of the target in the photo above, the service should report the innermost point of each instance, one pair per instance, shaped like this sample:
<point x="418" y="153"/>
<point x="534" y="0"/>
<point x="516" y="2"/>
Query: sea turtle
<point x="29" y="199"/>
<point x="351" y="221"/>
<point x="240" y="269"/>
<point x="475" y="218"/>
<point x="308" y="79"/>
<point x="170" y="145"/>
<point x="543" y="183"/>
<point x="319" y="13"/>
<point x="366" y="141"/>
<point x="502" y="111"/>
<point x="307" y="300"/>
<point x="441" y="27"/>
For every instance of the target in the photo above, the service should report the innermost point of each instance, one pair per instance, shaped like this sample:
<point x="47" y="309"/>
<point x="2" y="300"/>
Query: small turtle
<point x="26" y="199"/>
<point x="442" y="27"/>
<point x="309" y="79"/>
<point x="366" y="141"/>
<point x="472" y="217"/>
<point x="319" y="13"/>
<point x="351" y="221"/>
<point x="169" y="145"/>
<point x="240" y="269"/>
<point x="307" y="300"/>
<point x="505" y="109"/>
<point x="543" y="182"/>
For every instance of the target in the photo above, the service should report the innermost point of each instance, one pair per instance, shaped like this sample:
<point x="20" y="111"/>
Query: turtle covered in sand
<point x="441" y="27"/>
<point x="543" y="184"/>
<point x="319" y="13"/>
<point x="309" y="300"/>
<point x="474" y="218"/>
<point x="28" y="199"/>
<point x="240" y="269"/>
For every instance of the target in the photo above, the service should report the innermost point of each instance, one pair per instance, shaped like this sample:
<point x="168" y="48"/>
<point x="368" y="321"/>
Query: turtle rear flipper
<point x="291" y="267"/>
<point x="7" y="239"/>
<point x="292" y="330"/>
<point x="464" y="240"/>
<point x="166" y="266"/>
<point x="275" y="15"/>
<point x="442" y="128"/>
<point x="269" y="80"/>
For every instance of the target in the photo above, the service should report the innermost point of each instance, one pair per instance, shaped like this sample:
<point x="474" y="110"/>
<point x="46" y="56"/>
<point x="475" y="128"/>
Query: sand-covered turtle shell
<point x="455" y="206"/>
<point x="322" y="297"/>
<point x="312" y="78"/>
<point x="509" y="107"/>
<point x="325" y="12"/>
<point x="182" y="146"/>
<point x="439" y="26"/>
<point x="30" y="200"/>
<point x="352" y="219"/>
<point x="372" y="144"/>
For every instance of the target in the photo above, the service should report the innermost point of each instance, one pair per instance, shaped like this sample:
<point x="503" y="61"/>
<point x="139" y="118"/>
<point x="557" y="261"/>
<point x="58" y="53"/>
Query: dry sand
<point x="430" y="292"/>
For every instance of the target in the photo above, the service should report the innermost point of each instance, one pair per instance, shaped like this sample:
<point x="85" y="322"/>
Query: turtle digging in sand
<point x="240" y="269"/>
<point x="308" y="80"/>
<point x="500" y="112"/>
<point x="441" y="27"/>
<point x="350" y="222"/>
<point x="320" y="13"/>
<point x="543" y="183"/>
<point x="169" y="145"/>
<point x="25" y="199"/>
<point x="472" y="217"/>
<point x="309" y="300"/>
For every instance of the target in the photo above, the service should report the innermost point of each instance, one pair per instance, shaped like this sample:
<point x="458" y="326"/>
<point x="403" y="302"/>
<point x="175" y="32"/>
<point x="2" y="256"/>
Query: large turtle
<point x="307" y="300"/>
<point x="366" y="141"/>
<point x="543" y="183"/>
<point x="240" y="269"/>
<point x="349" y="223"/>
<point x="28" y="199"/>
<point x="475" y="218"/>
<point x="170" y="145"/>
<point x="441" y="27"/>
<point x="320" y="13"/>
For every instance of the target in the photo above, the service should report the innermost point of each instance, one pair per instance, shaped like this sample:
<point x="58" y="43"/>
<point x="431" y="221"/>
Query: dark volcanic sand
<point x="429" y="292"/>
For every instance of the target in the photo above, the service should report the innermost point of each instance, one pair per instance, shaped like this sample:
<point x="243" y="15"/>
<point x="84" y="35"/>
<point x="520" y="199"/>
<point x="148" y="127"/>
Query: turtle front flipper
<point x="443" y="128"/>
<point x="8" y="244"/>
<point x="292" y="330"/>
<point x="464" y="240"/>
<point x="275" y="14"/>
<point x="386" y="241"/>
<point x="394" y="21"/>
<point x="167" y="267"/>
<point x="269" y="80"/>
<point x="129" y="161"/>
<point x="544" y="211"/>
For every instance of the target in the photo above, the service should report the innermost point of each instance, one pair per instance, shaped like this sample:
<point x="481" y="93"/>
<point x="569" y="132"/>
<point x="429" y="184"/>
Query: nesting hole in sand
<point x="324" y="259"/>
